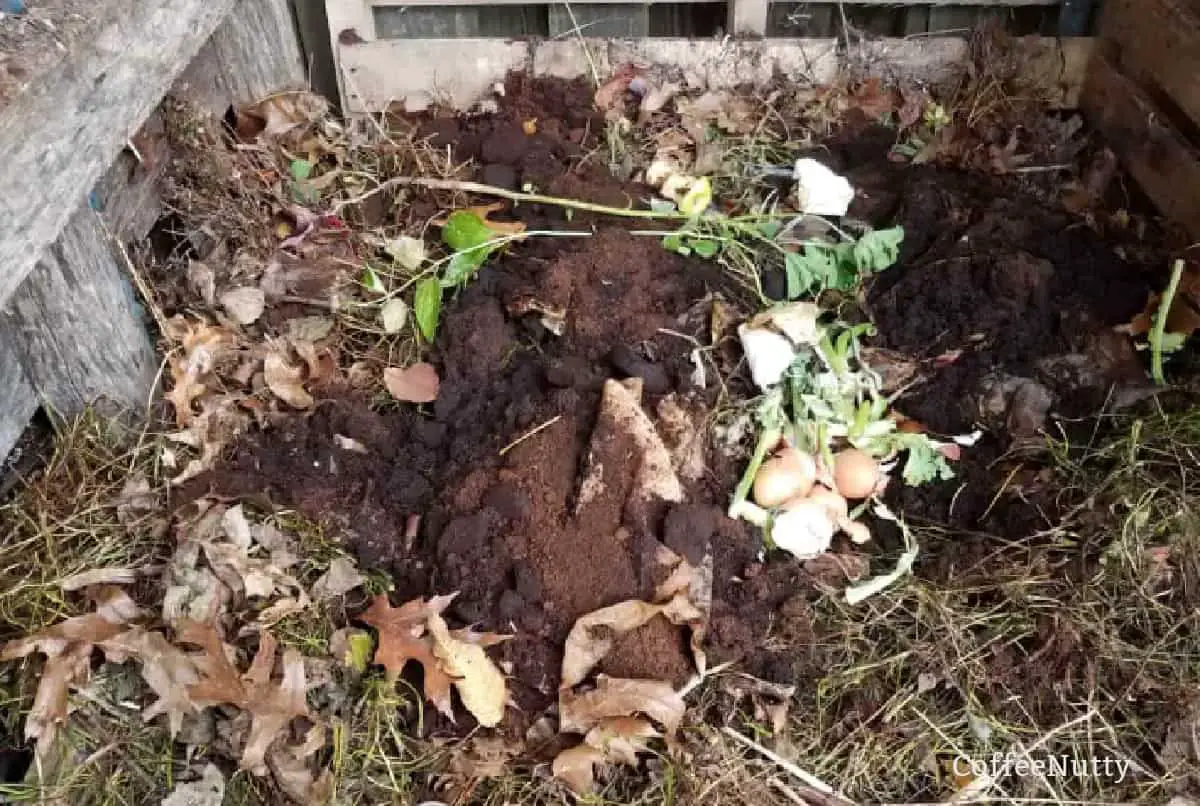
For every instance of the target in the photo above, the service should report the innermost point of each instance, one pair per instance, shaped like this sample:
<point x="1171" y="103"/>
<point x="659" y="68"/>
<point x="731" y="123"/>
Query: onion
<point x="833" y="503"/>
<point x="855" y="474"/>
<point x="858" y="533"/>
<point x="805" y="530"/>
<point x="790" y="474"/>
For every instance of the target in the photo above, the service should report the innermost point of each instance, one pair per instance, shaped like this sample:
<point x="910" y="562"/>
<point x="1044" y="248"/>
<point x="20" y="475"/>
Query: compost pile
<point x="520" y="453"/>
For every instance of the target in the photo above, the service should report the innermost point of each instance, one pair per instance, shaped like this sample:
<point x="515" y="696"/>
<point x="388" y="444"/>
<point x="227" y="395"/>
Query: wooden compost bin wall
<point x="441" y="19"/>
<point x="1143" y="92"/>
<point x="72" y="193"/>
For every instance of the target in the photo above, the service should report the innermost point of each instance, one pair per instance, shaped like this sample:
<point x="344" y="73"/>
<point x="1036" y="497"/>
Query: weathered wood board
<point x="1158" y="156"/>
<point x="72" y="334"/>
<point x="65" y="127"/>
<point x="417" y="73"/>
<point x="75" y="325"/>
<point x="1157" y="42"/>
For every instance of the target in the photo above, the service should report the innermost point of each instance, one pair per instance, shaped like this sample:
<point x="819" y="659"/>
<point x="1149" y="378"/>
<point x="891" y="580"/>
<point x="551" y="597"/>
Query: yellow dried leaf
<point x="480" y="682"/>
<point x="616" y="697"/>
<point x="286" y="381"/>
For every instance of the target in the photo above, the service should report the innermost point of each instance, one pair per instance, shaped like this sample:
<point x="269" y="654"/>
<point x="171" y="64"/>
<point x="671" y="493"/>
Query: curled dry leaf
<point x="244" y="304"/>
<point x="68" y="649"/>
<point x="167" y="670"/>
<point x="575" y="766"/>
<point x="286" y="381"/>
<point x="593" y="635"/>
<point x="202" y="281"/>
<point x="403" y="636"/>
<point x="480" y="683"/>
<point x="309" y="328"/>
<point x="202" y="347"/>
<point x="341" y="578"/>
<point x="271" y="705"/>
<point x="414" y="384"/>
<point x="99" y="576"/>
<point x="279" y="114"/>
<point x="616" y="740"/>
<point x="616" y="697"/>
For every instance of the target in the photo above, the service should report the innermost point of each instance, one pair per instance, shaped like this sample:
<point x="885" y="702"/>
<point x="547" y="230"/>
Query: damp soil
<point x="989" y="274"/>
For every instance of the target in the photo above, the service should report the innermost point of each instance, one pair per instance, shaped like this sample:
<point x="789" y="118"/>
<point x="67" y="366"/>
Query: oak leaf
<point x="403" y="637"/>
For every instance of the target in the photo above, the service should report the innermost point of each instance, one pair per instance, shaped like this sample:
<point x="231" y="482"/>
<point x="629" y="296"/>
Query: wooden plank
<point x="18" y="400"/>
<point x="76" y="327"/>
<point x="748" y="17"/>
<point x="1158" y="157"/>
<point x="68" y="123"/>
<point x="318" y="51"/>
<point x="597" y="20"/>
<point x="237" y="65"/>
<point x="1157" y="41"/>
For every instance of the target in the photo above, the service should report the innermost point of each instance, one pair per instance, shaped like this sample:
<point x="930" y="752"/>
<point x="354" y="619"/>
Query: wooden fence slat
<point x="1159" y="41"/>
<point x="1161" y="160"/>
<point x="65" y="127"/>
<point x="76" y="327"/>
<point x="18" y="400"/>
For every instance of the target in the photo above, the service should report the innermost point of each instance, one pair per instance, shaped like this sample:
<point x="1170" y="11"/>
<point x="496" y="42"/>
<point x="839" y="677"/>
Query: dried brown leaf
<point x="286" y="381"/>
<point x="68" y="649"/>
<point x="99" y="576"/>
<point x="279" y="114"/>
<point x="244" y="304"/>
<point x="418" y="383"/>
<point x="167" y="670"/>
<point x="403" y="638"/>
<point x="593" y="636"/>
<point x="202" y="347"/>
<point x="480" y="683"/>
<point x="575" y="767"/>
<point x="616" y="697"/>
<point x="615" y="741"/>
<point x="341" y="578"/>
<point x="271" y="706"/>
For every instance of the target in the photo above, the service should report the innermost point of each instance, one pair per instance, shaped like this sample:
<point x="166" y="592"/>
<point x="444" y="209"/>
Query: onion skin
<point x="833" y="502"/>
<point x="855" y="473"/>
<point x="782" y="478"/>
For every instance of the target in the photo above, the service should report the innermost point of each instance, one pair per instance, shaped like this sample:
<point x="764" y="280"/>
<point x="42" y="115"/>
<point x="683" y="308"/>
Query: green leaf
<point x="878" y="249"/>
<point x="674" y="243"/>
<point x="770" y="228"/>
<point x="465" y="230"/>
<point x="798" y="278"/>
<point x="462" y="267"/>
<point x="370" y="281"/>
<point x="301" y="169"/>
<point x="705" y="248"/>
<point x="925" y="462"/>
<point x="427" y="306"/>
<point x="1171" y="342"/>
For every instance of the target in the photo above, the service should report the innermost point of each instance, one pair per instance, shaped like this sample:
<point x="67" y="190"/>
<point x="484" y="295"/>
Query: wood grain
<point x="18" y="400"/>
<point x="1158" y="42"/>
<point x="68" y="123"/>
<point x="1158" y="157"/>
<point x="76" y="326"/>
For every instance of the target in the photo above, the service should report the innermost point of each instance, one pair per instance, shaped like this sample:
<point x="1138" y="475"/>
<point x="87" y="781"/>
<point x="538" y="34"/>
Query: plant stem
<point x="512" y="195"/>
<point x="1160" y="324"/>
<point x="766" y="440"/>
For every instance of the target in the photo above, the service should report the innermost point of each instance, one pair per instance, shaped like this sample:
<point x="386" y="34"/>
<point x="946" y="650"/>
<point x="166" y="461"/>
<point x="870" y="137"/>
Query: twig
<point x="529" y="434"/>
<point x="488" y="190"/>
<point x="1041" y="169"/>
<point x="1160" y="324"/>
<point x="808" y="778"/>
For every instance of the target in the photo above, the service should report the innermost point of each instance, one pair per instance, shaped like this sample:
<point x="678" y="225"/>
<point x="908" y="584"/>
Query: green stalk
<point x="766" y="440"/>
<point x="1160" y="324"/>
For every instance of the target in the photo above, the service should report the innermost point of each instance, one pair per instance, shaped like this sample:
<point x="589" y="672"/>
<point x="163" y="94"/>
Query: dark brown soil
<point x="985" y="269"/>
